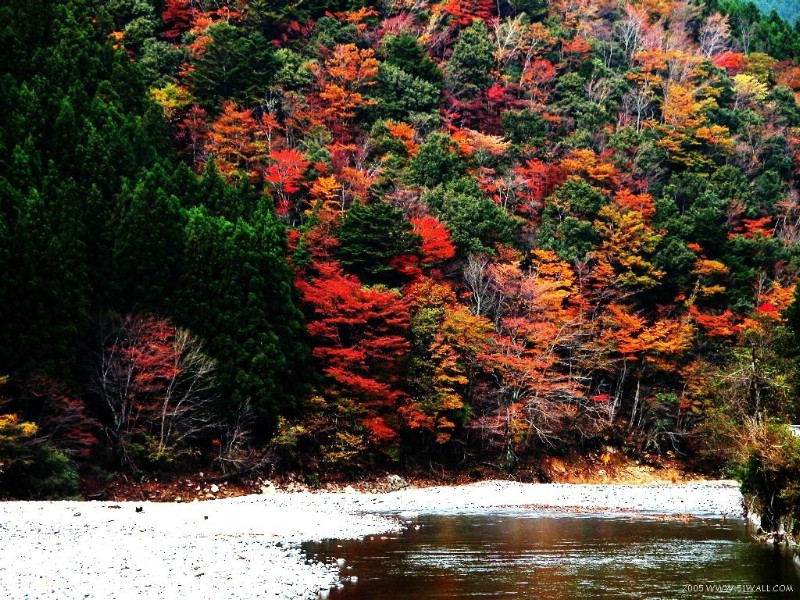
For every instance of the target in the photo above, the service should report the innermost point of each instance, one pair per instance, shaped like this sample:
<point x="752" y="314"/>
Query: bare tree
<point x="479" y="283"/>
<point x="714" y="35"/>
<point x="156" y="385"/>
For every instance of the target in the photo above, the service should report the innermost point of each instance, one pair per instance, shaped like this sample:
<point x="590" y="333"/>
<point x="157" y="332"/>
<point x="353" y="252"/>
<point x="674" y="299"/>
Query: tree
<point x="235" y="294"/>
<point x="401" y="95"/>
<point x="469" y="68"/>
<point x="435" y="240"/>
<point x="404" y="52"/>
<point x="346" y="72"/>
<point x="50" y="286"/>
<point x="148" y="245"/>
<point x="359" y="339"/>
<point x="436" y="162"/>
<point x="537" y="318"/>
<point x="155" y="386"/>
<point x="714" y="35"/>
<point x="634" y="344"/>
<point x="567" y="220"/>
<point x="476" y="223"/>
<point x="235" y="65"/>
<point x="177" y="17"/>
<point x="447" y="341"/>
<point x="236" y="145"/>
<point x="371" y="236"/>
<point x="29" y="468"/>
<point x="284" y="175"/>
<point x="628" y="243"/>
<point x="465" y="12"/>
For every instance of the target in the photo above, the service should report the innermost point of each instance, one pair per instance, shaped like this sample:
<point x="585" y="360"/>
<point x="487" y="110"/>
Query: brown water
<point x="554" y="558"/>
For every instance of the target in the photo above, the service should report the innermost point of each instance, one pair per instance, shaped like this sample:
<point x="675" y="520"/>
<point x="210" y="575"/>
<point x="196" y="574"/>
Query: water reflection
<point x="549" y="557"/>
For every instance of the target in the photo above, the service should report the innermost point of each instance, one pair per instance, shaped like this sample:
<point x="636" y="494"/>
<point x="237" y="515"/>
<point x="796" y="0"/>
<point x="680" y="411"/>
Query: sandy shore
<point x="248" y="547"/>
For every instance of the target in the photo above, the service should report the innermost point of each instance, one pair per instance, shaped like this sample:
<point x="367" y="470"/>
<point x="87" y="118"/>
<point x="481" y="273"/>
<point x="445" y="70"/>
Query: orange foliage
<point x="404" y="132"/>
<point x="585" y="163"/>
<point x="345" y="72"/>
<point x="236" y="143"/>
<point x="642" y="203"/>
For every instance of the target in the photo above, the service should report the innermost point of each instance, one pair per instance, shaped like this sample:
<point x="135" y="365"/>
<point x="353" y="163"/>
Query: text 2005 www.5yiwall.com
<point x="739" y="588"/>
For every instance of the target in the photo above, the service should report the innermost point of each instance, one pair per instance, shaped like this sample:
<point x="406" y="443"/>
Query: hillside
<point x="333" y="238"/>
<point x="788" y="9"/>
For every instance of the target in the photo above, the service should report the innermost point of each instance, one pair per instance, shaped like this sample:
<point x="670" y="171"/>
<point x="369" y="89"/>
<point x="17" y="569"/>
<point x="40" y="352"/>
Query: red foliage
<point x="465" y="11"/>
<point x="285" y="174"/>
<point x="177" y="17"/>
<point x="436" y="244"/>
<point x="193" y="133"/>
<point x="537" y="79"/>
<point x="576" y="49"/>
<point x="752" y="228"/>
<point x="64" y="420"/>
<point x="734" y="63"/>
<point x="358" y="337"/>
<point x="722" y="325"/>
<point x="768" y="308"/>
<point x="538" y="181"/>
<point x="155" y="383"/>
<point x="642" y="203"/>
<point x="380" y="432"/>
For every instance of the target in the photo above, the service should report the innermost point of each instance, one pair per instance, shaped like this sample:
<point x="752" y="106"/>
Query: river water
<point x="561" y="557"/>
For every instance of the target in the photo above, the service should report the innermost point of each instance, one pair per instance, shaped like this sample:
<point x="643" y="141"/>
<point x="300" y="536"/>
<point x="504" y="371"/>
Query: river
<point x="560" y="557"/>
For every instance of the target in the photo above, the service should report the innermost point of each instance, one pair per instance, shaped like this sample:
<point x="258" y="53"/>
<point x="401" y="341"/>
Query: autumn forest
<point x="336" y="237"/>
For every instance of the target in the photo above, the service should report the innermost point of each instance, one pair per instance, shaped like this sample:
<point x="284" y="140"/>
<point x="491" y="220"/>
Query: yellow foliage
<point x="174" y="100"/>
<point x="13" y="434"/>
<point x="327" y="191"/>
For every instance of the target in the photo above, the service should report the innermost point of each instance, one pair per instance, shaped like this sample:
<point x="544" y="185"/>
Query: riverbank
<point x="248" y="547"/>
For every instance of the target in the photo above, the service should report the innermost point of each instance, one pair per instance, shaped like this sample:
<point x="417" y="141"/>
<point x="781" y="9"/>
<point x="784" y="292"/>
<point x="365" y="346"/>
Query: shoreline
<point x="249" y="546"/>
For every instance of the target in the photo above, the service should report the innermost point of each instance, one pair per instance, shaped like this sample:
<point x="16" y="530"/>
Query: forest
<point x="788" y="10"/>
<point x="334" y="237"/>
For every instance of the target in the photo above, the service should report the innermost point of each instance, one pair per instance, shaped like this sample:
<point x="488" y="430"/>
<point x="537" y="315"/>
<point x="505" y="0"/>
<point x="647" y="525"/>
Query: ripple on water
<point x="474" y="557"/>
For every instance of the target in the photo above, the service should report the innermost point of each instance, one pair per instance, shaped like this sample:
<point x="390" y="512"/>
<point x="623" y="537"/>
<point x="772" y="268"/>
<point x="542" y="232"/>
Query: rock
<point x="396" y="482"/>
<point x="268" y="489"/>
<point x="349" y="490"/>
<point x="178" y="499"/>
<point x="214" y="488"/>
<point x="210" y="496"/>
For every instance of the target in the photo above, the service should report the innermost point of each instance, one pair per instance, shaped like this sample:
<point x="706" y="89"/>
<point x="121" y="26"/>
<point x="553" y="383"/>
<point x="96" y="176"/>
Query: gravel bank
<point x="248" y="547"/>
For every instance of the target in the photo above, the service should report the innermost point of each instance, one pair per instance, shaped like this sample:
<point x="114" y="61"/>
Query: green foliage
<point x="401" y="95"/>
<point x="468" y="70"/>
<point x="406" y="53"/>
<point x="767" y="25"/>
<point x="236" y="293"/>
<point x="160" y="62"/>
<point x="148" y="245"/>
<point x="236" y="64"/>
<point x="370" y="236"/>
<point x="436" y="162"/>
<point x="476" y="223"/>
<point x="51" y="475"/>
<point x="768" y="473"/>
<point x="525" y="128"/>
<point x="29" y="468"/>
<point x="567" y="222"/>
<point x="787" y="9"/>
